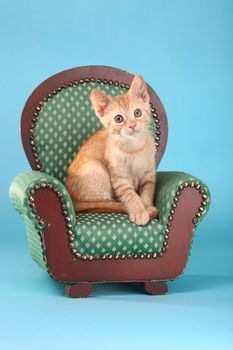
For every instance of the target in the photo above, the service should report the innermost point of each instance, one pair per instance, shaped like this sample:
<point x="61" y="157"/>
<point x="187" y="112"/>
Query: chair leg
<point x="155" y="288"/>
<point x="78" y="290"/>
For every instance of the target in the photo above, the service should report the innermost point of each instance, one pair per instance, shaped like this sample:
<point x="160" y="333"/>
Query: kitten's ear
<point x="138" y="88"/>
<point x="100" y="101"/>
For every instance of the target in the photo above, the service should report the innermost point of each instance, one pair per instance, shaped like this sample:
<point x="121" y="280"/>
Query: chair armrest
<point x="24" y="185"/>
<point x="22" y="194"/>
<point x="169" y="186"/>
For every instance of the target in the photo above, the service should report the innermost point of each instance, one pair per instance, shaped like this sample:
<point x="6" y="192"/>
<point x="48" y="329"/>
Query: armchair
<point x="79" y="249"/>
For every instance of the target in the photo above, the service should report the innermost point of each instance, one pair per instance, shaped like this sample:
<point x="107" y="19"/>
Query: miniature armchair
<point x="79" y="249"/>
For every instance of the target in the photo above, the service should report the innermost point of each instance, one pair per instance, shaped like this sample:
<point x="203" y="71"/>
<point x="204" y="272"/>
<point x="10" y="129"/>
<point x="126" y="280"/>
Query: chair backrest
<point x="58" y="116"/>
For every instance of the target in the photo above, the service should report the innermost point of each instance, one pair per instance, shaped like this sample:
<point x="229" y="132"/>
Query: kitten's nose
<point x="132" y="125"/>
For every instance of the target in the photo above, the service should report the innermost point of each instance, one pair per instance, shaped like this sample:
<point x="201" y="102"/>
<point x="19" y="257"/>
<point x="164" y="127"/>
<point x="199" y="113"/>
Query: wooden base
<point x="155" y="288"/>
<point x="83" y="289"/>
<point x="78" y="290"/>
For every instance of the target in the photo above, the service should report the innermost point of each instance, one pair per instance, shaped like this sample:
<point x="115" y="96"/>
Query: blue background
<point x="184" y="49"/>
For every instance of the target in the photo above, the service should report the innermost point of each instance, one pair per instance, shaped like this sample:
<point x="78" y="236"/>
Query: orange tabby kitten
<point x="114" y="170"/>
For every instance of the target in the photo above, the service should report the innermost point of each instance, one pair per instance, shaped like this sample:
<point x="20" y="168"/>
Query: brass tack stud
<point x="110" y="256"/>
<point x="195" y="221"/>
<point x="186" y="184"/>
<point x="78" y="255"/>
<point x="164" y="249"/>
<point x="204" y="196"/>
<point x="103" y="257"/>
<point x="198" y="215"/>
<point x="116" y="256"/>
<point x="192" y="184"/>
<point x="166" y="237"/>
<point x="154" y="255"/>
<point x="70" y="232"/>
<point x="71" y="245"/>
<point x="148" y="256"/>
<point x="167" y="230"/>
<point x="201" y="209"/>
<point x="204" y="203"/>
<point x="142" y="256"/>
<point x="84" y="257"/>
<point x="178" y="193"/>
<point x="38" y="108"/>
<point x="123" y="256"/>
<point x="135" y="256"/>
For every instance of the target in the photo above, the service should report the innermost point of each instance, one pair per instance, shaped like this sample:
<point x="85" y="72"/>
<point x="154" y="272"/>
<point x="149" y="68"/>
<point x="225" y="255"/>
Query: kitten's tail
<point x="99" y="207"/>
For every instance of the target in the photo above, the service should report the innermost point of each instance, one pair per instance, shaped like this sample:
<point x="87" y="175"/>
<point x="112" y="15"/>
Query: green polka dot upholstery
<point x="64" y="123"/>
<point x="113" y="233"/>
<point x="167" y="184"/>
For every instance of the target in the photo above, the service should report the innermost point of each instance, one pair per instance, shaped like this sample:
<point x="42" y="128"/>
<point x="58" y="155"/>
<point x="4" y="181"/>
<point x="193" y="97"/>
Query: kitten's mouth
<point x="130" y="135"/>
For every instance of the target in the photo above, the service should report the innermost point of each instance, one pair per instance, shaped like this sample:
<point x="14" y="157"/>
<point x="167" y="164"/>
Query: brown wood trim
<point x="64" y="267"/>
<point x="155" y="288"/>
<point x="66" y="76"/>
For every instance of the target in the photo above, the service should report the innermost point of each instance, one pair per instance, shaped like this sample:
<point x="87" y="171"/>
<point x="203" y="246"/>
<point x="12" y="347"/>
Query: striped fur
<point x="114" y="170"/>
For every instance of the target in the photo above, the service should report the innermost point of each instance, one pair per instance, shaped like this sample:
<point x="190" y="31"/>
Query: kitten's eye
<point x="137" y="112"/>
<point x="118" y="118"/>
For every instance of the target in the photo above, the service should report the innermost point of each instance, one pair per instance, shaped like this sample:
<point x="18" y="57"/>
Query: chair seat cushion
<point x="98" y="234"/>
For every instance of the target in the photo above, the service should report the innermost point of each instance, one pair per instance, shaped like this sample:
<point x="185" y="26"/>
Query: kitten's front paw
<point x="152" y="211"/>
<point x="139" y="218"/>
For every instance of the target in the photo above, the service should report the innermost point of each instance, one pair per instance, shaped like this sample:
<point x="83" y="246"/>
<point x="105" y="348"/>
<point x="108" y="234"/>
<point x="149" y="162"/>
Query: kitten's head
<point x="126" y="115"/>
